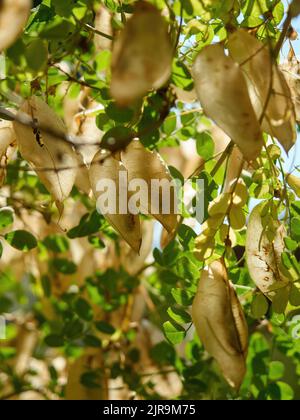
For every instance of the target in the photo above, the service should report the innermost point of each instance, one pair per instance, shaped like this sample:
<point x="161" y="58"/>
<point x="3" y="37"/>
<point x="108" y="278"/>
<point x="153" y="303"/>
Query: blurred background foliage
<point x="86" y="317"/>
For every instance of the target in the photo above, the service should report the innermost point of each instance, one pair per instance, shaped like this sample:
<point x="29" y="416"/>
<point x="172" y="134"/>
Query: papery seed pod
<point x="142" y="55"/>
<point x="294" y="183"/>
<point x="220" y="323"/>
<point x="269" y="92"/>
<point x="158" y="198"/>
<point x="13" y="18"/>
<point x="53" y="159"/>
<point x="223" y="93"/>
<point x="263" y="255"/>
<point x="291" y="71"/>
<point x="113" y="175"/>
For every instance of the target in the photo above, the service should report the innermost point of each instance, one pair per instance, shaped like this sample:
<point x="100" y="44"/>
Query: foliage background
<point x="85" y="317"/>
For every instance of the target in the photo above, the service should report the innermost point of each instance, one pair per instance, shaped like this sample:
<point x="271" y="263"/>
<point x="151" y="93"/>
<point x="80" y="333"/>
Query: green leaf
<point x="105" y="327"/>
<point x="96" y="242"/>
<point x="181" y="76"/>
<point x="179" y="315"/>
<point x="169" y="124"/>
<point x="294" y="295"/>
<point x="21" y="240"/>
<point x="295" y="225"/>
<point x="83" y="309"/>
<point x="259" y="306"/>
<point x="91" y="379"/>
<point x="174" y="332"/>
<point x="57" y="243"/>
<point x="37" y="55"/>
<point x="92" y="341"/>
<point x="182" y="297"/>
<point x="89" y="225"/>
<point x="205" y="145"/>
<point x="46" y="285"/>
<point x="6" y="218"/>
<point x="117" y="138"/>
<point x="290" y="244"/>
<point x="54" y="340"/>
<point x="276" y="370"/>
<point x="73" y="329"/>
<point x="120" y="115"/>
<point x="5" y="304"/>
<point x="64" y="266"/>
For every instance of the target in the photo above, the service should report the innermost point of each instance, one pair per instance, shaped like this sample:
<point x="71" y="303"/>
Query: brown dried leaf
<point x="220" y="323"/>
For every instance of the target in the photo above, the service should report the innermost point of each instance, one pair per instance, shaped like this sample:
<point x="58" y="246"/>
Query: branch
<point x="286" y="26"/>
<point x="90" y="28"/>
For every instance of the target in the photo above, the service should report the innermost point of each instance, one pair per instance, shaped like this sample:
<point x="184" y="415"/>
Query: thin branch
<point x="90" y="28"/>
<point x="286" y="26"/>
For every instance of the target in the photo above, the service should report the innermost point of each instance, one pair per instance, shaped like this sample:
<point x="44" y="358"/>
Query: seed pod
<point x="291" y="71"/>
<point x="294" y="183"/>
<point x="220" y="323"/>
<point x="264" y="256"/>
<point x="147" y="166"/>
<point x="269" y="92"/>
<point x="142" y="55"/>
<point x="7" y="146"/>
<point x="13" y="18"/>
<point x="222" y="91"/>
<point x="295" y="8"/>
<point x="53" y="159"/>
<point x="112" y="173"/>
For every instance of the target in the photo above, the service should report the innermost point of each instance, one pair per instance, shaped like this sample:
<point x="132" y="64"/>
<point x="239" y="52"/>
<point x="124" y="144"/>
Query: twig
<point x="90" y="28"/>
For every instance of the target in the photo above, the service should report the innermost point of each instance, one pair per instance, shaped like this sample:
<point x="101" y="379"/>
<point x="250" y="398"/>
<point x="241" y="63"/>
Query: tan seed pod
<point x="149" y="167"/>
<point x="223" y="93"/>
<point x="291" y="71"/>
<point x="220" y="323"/>
<point x="142" y="55"/>
<point x="128" y="225"/>
<point x="53" y="159"/>
<point x="13" y="18"/>
<point x="269" y="92"/>
<point x="263" y="256"/>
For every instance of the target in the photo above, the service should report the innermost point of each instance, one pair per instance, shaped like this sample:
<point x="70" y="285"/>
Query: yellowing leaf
<point x="220" y="205"/>
<point x="264" y="256"/>
<point x="220" y="323"/>
<point x="13" y="18"/>
<point x="142" y="55"/>
<point x="237" y="218"/>
<point x="269" y="92"/>
<point x="235" y="166"/>
<point x="240" y="195"/>
<point x="148" y="167"/>
<point x="54" y="160"/>
<point x="222" y="91"/>
<point x="113" y="202"/>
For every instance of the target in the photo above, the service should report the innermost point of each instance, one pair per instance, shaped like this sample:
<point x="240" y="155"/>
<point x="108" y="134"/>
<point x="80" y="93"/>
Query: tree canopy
<point x="204" y="304"/>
